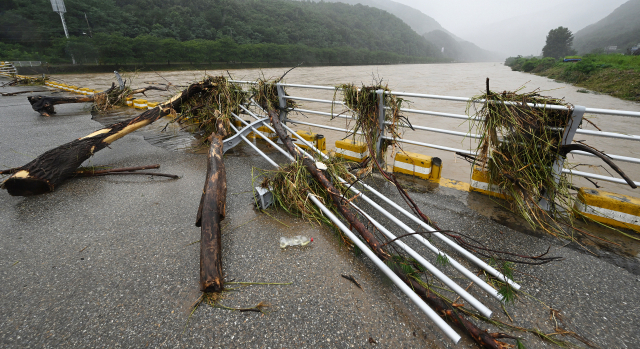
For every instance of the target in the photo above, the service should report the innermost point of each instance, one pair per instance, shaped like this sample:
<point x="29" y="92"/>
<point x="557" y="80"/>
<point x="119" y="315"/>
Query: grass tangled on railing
<point x="218" y="101"/>
<point x="363" y="102"/>
<point x="265" y="93"/>
<point x="291" y="184"/>
<point x="518" y="147"/>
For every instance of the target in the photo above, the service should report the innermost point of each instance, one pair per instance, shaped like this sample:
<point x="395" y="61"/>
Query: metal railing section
<point x="472" y="258"/>
<point x="27" y="63"/>
<point x="433" y="316"/>
<point x="621" y="136"/>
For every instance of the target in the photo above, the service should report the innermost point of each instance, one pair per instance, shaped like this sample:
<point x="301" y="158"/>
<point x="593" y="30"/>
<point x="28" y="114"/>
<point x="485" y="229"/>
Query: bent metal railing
<point x="260" y="119"/>
<point x="578" y="113"/>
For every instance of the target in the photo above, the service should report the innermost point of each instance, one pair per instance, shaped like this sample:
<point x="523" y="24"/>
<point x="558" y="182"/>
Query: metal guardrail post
<point x="567" y="138"/>
<point x="282" y="103"/>
<point x="381" y="118"/>
<point x="119" y="78"/>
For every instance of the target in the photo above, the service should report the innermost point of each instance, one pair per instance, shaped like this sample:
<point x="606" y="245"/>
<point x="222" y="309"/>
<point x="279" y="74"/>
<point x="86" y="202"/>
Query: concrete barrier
<point x="140" y="103"/>
<point x="418" y="165"/>
<point x="265" y="130"/>
<point x="318" y="140"/>
<point x="480" y="183"/>
<point x="613" y="209"/>
<point x="351" y="150"/>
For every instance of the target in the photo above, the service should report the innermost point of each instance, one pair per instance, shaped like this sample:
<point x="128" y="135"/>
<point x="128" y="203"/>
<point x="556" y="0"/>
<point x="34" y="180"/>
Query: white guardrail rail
<point x="579" y="111"/>
<point x="266" y="131"/>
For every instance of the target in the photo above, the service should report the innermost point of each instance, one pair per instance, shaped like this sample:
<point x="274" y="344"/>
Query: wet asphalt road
<point x="113" y="261"/>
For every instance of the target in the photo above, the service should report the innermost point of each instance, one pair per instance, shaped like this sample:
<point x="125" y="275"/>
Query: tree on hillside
<point x="559" y="43"/>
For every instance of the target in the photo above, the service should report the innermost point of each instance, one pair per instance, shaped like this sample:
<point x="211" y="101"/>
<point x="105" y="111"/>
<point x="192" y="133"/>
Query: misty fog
<point x="512" y="27"/>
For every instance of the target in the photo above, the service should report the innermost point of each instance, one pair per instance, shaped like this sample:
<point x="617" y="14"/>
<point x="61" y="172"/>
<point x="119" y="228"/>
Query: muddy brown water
<point x="461" y="80"/>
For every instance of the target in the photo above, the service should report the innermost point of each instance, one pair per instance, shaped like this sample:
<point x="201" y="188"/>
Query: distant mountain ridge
<point x="455" y="47"/>
<point x="417" y="20"/>
<point x="462" y="51"/>
<point x="620" y="28"/>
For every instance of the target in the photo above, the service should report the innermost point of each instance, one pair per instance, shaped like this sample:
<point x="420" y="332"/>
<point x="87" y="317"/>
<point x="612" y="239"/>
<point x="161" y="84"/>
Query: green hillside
<point x="621" y="28"/>
<point x="208" y="30"/>
<point x="418" y="21"/>
<point x="615" y="75"/>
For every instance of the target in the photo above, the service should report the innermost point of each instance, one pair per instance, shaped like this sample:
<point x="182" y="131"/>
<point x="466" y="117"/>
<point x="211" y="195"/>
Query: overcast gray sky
<point x="513" y="26"/>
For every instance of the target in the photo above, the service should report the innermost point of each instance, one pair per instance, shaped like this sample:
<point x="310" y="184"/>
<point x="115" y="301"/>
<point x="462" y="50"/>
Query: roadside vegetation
<point x="615" y="75"/>
<point x="119" y="50"/>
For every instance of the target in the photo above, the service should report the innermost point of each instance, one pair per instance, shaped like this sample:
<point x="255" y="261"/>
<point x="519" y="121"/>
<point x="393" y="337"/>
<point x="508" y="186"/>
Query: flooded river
<point x="461" y="80"/>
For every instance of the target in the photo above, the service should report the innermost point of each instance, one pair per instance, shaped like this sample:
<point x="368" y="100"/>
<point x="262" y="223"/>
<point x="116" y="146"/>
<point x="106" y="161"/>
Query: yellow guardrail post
<point x="351" y="150"/>
<point x="480" y="183"/>
<point x="140" y="103"/>
<point x="318" y="140"/>
<point x="617" y="210"/>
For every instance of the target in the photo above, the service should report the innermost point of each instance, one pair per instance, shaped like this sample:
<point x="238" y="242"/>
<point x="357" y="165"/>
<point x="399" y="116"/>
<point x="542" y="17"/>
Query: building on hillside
<point x="610" y="49"/>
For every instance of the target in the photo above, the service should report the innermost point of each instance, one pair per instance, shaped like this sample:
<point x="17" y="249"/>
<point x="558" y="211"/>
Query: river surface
<point x="460" y="79"/>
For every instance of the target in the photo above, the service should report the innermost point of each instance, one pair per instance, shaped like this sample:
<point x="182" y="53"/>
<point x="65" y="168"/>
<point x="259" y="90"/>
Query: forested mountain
<point x="455" y="47"/>
<point x="459" y="50"/>
<point x="215" y="29"/>
<point x="418" y="21"/>
<point x="621" y="28"/>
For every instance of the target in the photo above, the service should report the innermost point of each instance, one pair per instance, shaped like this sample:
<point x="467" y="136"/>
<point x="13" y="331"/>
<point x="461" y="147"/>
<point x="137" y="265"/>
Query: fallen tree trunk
<point x="53" y="167"/>
<point x="45" y="104"/>
<point x="482" y="337"/>
<point x="211" y="211"/>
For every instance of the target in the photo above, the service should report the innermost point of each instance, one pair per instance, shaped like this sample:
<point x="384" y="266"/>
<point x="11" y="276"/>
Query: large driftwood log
<point x="483" y="338"/>
<point x="53" y="167"/>
<point x="211" y="211"/>
<point x="45" y="104"/>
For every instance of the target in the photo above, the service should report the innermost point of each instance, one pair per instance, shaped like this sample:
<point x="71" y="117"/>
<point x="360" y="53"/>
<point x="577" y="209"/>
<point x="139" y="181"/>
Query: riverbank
<point x="614" y="75"/>
<point x="48" y="69"/>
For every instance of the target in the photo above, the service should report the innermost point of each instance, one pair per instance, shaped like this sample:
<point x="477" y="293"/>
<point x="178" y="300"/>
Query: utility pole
<point x="88" y="26"/>
<point x="58" y="7"/>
